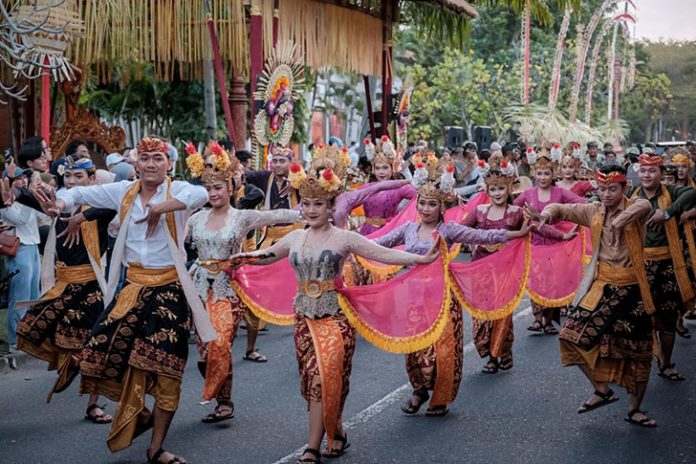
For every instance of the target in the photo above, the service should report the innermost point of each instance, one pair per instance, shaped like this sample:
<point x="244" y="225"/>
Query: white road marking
<point x="377" y="407"/>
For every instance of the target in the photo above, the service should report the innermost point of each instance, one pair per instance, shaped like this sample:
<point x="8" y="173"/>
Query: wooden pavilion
<point x="173" y="35"/>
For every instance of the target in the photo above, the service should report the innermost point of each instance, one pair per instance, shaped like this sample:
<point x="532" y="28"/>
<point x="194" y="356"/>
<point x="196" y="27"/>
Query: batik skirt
<point x="665" y="293"/>
<point x="216" y="356"/>
<point x="144" y="351"/>
<point x="614" y="339"/>
<point x="439" y="366"/>
<point x="494" y="338"/>
<point x="324" y="349"/>
<point x="54" y="330"/>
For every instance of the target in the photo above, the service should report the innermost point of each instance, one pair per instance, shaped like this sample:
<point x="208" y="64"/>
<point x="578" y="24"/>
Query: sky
<point x="666" y="19"/>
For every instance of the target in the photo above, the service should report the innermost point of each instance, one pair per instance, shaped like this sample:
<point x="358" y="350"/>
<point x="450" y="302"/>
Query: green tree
<point x="648" y="102"/>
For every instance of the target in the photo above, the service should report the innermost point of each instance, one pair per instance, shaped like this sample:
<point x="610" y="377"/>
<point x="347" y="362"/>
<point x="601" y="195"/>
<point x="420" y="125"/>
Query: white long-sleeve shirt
<point x="25" y="222"/>
<point x="152" y="252"/>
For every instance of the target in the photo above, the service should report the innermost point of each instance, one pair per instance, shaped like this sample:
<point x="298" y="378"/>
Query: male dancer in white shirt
<point x="140" y="343"/>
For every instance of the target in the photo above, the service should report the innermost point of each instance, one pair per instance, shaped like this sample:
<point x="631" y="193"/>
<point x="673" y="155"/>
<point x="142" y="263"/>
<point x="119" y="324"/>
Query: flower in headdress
<point x="194" y="161"/>
<point x="447" y="180"/>
<point x="345" y="156"/>
<point x="531" y="155"/>
<point x="329" y="181"/>
<point x="556" y="153"/>
<point x="216" y="148"/>
<point x="369" y="149"/>
<point x="61" y="170"/>
<point x="296" y="175"/>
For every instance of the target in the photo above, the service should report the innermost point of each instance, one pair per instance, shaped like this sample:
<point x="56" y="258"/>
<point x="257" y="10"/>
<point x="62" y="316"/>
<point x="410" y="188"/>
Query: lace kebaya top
<point x="451" y="232"/>
<point x="558" y="195"/>
<point x="220" y="244"/>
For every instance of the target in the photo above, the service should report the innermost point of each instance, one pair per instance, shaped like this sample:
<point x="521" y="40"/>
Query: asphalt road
<point x="526" y="415"/>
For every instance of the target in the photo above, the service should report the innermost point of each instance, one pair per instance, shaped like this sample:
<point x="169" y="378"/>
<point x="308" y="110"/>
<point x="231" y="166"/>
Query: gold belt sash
<point x="608" y="275"/>
<point x="314" y="288"/>
<point x="375" y="221"/>
<point x="213" y="266"/>
<point x="139" y="278"/>
<point x="66" y="275"/>
<point x="657" y="253"/>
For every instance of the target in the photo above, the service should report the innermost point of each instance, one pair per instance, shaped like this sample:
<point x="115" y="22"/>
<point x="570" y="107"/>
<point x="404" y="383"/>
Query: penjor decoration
<point x="403" y="119"/>
<point x="279" y="87"/>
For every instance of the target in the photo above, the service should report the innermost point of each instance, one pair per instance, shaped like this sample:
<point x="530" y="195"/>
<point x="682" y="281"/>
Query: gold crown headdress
<point x="383" y="152"/>
<point x="433" y="177"/>
<point x="679" y="155"/>
<point x="505" y="176"/>
<point x="216" y="164"/>
<point x="540" y="159"/>
<point x="326" y="173"/>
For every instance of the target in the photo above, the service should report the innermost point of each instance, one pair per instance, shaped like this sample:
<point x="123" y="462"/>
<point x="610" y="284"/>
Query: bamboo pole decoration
<point x="370" y="112"/>
<point x="46" y="102"/>
<point x="527" y="50"/>
<point x="595" y="59"/>
<point x="220" y="75"/>
<point x="555" y="83"/>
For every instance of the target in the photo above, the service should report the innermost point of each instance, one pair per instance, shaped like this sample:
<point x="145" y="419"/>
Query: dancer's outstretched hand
<point x="73" y="231"/>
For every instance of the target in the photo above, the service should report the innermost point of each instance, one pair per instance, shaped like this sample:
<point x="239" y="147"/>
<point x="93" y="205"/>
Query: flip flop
<point x="259" y="358"/>
<point x="674" y="376"/>
<point x="97" y="418"/>
<point x="436" y="411"/>
<point x="410" y="408"/>
<point x="607" y="398"/>
<point x="215" y="417"/>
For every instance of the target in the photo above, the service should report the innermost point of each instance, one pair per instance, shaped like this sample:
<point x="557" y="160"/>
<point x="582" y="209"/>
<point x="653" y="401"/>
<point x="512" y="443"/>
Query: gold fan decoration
<point x="279" y="87"/>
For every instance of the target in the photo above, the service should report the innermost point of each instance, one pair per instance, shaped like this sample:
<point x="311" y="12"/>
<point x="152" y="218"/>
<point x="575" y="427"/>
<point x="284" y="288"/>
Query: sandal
<point x="683" y="332"/>
<point x="690" y="315"/>
<point x="155" y="458"/>
<point x="549" y="329"/>
<point x="217" y="416"/>
<point x="505" y="363"/>
<point x="332" y="453"/>
<point x="535" y="326"/>
<point x="644" y="422"/>
<point x="410" y="408"/>
<point x="676" y="376"/>
<point x="311" y="451"/>
<point x="607" y="398"/>
<point x="436" y="411"/>
<point x="491" y="367"/>
<point x="97" y="418"/>
<point x="255" y="356"/>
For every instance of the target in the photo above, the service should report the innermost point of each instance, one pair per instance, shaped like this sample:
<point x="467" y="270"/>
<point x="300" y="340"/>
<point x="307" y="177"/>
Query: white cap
<point x="495" y="146"/>
<point x="113" y="159"/>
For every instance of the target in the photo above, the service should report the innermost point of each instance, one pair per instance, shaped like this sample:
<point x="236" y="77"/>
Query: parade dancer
<point x="217" y="234"/>
<point x="324" y="339"/>
<point x="536" y="198"/>
<point x="608" y="333"/>
<point x="140" y="344"/>
<point x="438" y="368"/>
<point x="493" y="339"/>
<point x="382" y="207"/>
<point x="571" y="162"/>
<point x="57" y="328"/>
<point x="682" y="161"/>
<point x="664" y="256"/>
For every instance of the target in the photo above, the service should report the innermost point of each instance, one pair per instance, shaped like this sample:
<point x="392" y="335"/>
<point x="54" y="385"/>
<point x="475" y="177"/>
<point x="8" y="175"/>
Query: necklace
<point x="304" y="247"/>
